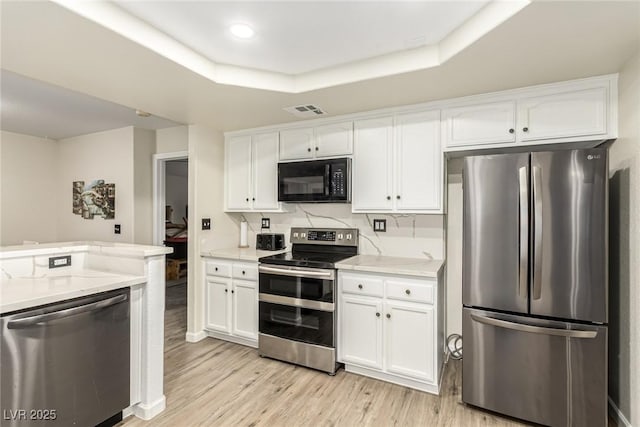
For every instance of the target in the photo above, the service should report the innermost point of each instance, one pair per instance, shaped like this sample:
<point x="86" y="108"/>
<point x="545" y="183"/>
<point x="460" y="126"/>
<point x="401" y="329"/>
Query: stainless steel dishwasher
<point x="66" y="364"/>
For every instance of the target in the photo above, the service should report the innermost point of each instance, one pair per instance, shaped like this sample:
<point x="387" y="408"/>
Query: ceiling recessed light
<point x="242" y="31"/>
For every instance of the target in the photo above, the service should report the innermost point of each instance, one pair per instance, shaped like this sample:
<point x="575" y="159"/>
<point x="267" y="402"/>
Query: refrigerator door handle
<point x="520" y="327"/>
<point x="524" y="231"/>
<point x="537" y="231"/>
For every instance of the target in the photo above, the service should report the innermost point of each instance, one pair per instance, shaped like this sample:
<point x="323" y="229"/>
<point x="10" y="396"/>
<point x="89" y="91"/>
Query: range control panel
<point x="325" y="236"/>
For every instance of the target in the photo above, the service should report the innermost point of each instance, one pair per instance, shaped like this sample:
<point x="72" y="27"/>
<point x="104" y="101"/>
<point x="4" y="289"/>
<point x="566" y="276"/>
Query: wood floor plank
<point x="217" y="383"/>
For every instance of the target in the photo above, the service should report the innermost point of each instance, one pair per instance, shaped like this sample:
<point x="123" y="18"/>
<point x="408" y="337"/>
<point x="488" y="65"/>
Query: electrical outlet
<point x="380" y="225"/>
<point x="266" y="223"/>
<point x="60" y="261"/>
<point x="116" y="229"/>
<point x="206" y="223"/>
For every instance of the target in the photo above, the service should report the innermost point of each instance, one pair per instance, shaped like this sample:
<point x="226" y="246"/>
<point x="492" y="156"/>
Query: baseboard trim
<point x="615" y="412"/>
<point x="146" y="412"/>
<point x="195" y="336"/>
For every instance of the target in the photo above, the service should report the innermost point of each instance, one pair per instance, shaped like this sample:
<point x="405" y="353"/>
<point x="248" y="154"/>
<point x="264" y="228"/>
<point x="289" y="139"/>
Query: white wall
<point x="176" y="186"/>
<point x="624" y="247"/>
<point x="144" y="146"/>
<point x="173" y="139"/>
<point x="105" y="155"/>
<point x="206" y="189"/>
<point x="27" y="189"/>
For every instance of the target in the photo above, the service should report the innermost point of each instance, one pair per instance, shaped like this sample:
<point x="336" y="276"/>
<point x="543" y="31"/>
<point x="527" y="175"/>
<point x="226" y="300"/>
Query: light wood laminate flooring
<point x="217" y="383"/>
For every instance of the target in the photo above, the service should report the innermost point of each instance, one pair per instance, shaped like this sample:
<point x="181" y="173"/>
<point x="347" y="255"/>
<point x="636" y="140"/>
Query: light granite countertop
<point x="239" y="254"/>
<point x="392" y="265"/>
<point x="17" y="293"/>
<point x="107" y="248"/>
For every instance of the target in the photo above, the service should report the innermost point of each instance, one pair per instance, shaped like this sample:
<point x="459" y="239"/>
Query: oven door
<point x="298" y="283"/>
<point x="297" y="323"/>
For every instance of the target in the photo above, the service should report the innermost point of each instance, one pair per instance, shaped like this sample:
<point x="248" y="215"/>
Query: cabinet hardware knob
<point x="525" y="129"/>
<point x="377" y="314"/>
<point x="216" y="268"/>
<point x="226" y="290"/>
<point x="253" y="199"/>
<point x="360" y="286"/>
<point x="317" y="149"/>
<point x="309" y="149"/>
<point x="242" y="271"/>
<point x="232" y="291"/>
<point x="388" y="197"/>
<point x="511" y="130"/>
<point x="408" y="292"/>
<point x="247" y="199"/>
<point x="398" y="197"/>
<point x="388" y="316"/>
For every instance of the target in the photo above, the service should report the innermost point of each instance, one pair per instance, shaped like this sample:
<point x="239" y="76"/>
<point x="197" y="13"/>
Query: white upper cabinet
<point x="296" y="144"/>
<point x="238" y="169"/>
<point x="492" y="123"/>
<point x="397" y="164"/>
<point x="335" y="139"/>
<point x="371" y="175"/>
<point x="265" y="171"/>
<point x="251" y="171"/>
<point x="581" y="110"/>
<point x="563" y="115"/>
<point x="331" y="140"/>
<point x="418" y="162"/>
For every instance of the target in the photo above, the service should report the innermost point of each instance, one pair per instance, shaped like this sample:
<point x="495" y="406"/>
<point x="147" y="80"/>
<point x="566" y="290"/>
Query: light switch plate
<point x="206" y="223"/>
<point x="266" y="223"/>
<point x="60" y="261"/>
<point x="116" y="229"/>
<point x="380" y="225"/>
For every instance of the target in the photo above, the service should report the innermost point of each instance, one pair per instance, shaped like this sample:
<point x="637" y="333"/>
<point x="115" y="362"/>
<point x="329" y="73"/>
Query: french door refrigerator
<point x="535" y="285"/>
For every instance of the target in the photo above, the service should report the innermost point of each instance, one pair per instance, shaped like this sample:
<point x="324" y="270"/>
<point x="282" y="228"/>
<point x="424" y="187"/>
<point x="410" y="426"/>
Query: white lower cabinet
<point x="397" y="336"/>
<point x="231" y="294"/>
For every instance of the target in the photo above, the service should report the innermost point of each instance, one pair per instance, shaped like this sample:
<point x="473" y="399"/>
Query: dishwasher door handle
<point x="47" y="317"/>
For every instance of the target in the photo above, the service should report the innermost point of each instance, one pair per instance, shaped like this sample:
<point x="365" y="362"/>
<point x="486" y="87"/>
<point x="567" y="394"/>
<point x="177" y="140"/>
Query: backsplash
<point x="407" y="235"/>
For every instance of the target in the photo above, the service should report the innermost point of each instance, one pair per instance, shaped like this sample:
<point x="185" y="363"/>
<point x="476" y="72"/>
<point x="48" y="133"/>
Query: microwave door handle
<point x="327" y="180"/>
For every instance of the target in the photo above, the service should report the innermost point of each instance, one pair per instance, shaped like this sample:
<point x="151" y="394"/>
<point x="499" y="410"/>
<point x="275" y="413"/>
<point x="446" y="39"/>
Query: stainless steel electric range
<point x="297" y="299"/>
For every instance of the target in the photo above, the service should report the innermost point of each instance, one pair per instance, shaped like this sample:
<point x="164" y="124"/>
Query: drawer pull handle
<point x="377" y="314"/>
<point x="242" y="271"/>
<point x="360" y="286"/>
<point x="388" y="316"/>
<point x="408" y="292"/>
<point x="216" y="268"/>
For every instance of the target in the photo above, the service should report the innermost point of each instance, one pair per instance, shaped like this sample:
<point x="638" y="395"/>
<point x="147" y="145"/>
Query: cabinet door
<point x="492" y="123"/>
<point x="334" y="140"/>
<point x="418" y="165"/>
<point x="410" y="340"/>
<point x="265" y="171"/>
<point x="296" y="144"/>
<point x="217" y="307"/>
<point x="573" y="114"/>
<point x="371" y="184"/>
<point x="245" y="309"/>
<point x="238" y="172"/>
<point x="361" y="331"/>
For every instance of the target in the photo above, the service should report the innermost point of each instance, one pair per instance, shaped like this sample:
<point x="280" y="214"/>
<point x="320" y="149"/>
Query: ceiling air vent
<point x="306" y="110"/>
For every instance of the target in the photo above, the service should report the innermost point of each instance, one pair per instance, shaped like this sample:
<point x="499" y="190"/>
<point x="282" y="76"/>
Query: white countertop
<point x="106" y="248"/>
<point x="392" y="265"/>
<point x="240" y="254"/>
<point x="17" y="293"/>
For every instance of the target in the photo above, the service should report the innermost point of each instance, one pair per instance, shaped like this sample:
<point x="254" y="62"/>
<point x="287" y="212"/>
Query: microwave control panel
<point x="338" y="185"/>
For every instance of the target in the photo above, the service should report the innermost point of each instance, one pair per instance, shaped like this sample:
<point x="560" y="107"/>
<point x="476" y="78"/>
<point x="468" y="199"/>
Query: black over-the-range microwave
<point x="315" y="181"/>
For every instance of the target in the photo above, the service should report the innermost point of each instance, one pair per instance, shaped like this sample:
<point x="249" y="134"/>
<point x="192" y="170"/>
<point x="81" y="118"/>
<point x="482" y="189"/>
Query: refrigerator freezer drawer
<point x="546" y="372"/>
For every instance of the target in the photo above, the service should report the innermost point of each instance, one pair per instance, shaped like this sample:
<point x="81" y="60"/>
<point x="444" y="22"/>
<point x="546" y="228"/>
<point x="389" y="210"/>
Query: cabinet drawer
<point x="245" y="271"/>
<point x="362" y="285"/>
<point x="217" y="268"/>
<point x="417" y="291"/>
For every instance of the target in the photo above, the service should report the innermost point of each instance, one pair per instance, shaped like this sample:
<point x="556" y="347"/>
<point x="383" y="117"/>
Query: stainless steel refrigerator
<point x="535" y="285"/>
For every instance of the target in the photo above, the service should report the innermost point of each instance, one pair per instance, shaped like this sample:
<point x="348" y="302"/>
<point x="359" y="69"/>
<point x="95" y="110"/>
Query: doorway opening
<point x="171" y="225"/>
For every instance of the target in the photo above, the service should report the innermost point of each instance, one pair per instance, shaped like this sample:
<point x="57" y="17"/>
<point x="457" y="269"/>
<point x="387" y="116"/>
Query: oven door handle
<point x="296" y="302"/>
<point x="327" y="180"/>
<point x="298" y="272"/>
